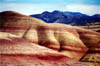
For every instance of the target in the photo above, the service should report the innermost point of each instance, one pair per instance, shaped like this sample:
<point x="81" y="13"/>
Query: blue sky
<point x="28" y="7"/>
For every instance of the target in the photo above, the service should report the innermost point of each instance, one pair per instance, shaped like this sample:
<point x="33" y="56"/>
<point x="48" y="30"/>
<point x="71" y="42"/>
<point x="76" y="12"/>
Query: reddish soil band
<point x="47" y="56"/>
<point x="74" y="45"/>
<point x="71" y="50"/>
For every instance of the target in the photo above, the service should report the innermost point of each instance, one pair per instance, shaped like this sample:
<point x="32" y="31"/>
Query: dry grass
<point x="95" y="59"/>
<point x="91" y="26"/>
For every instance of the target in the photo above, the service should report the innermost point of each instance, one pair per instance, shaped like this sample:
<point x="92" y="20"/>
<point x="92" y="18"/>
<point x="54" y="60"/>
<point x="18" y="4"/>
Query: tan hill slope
<point x="18" y="51"/>
<point x="69" y="40"/>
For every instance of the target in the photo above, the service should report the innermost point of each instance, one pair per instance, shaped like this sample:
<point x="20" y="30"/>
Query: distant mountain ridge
<point x="73" y="18"/>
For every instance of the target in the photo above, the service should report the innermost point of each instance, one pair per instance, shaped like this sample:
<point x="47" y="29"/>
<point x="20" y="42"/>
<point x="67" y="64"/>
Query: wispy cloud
<point x="86" y="9"/>
<point x="29" y="8"/>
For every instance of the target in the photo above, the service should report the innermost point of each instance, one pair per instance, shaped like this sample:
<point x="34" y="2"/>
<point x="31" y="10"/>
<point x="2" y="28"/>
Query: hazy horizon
<point x="28" y="7"/>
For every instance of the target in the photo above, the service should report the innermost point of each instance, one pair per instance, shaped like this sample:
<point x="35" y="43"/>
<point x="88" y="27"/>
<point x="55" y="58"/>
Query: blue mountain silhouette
<point x="72" y="18"/>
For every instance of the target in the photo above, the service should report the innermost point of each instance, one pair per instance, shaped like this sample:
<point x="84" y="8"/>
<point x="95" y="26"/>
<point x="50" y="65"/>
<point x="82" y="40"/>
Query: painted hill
<point x="69" y="41"/>
<point x="41" y="33"/>
<point x="18" y="51"/>
<point x="73" y="18"/>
